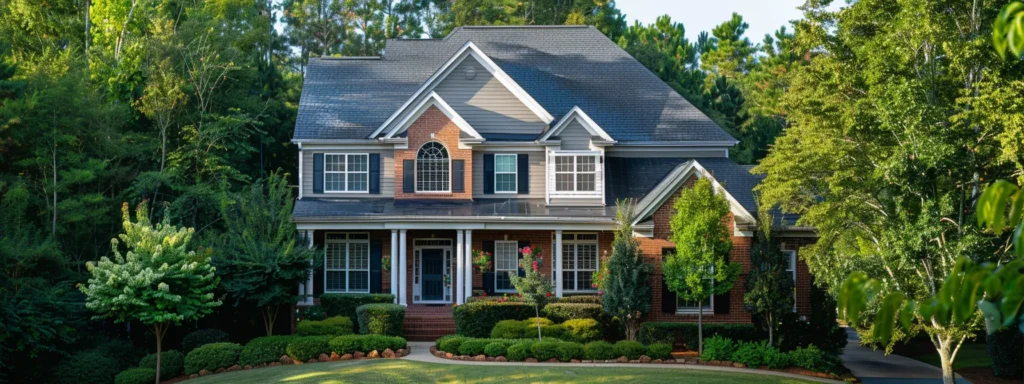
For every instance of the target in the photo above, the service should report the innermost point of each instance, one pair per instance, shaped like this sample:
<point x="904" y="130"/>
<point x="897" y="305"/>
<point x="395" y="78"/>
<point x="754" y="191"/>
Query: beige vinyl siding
<point x="387" y="174"/>
<point x="536" y="177"/>
<point x="485" y="103"/>
<point x="575" y="137"/>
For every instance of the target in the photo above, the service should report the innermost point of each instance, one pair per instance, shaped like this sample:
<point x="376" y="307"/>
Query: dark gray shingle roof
<point x="559" y="66"/>
<point x="641" y="175"/>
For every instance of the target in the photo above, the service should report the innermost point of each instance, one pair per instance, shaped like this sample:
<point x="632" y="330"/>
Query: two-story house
<point x="494" y="138"/>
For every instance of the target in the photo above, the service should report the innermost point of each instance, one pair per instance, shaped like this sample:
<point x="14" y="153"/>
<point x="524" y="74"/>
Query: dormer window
<point x="432" y="168"/>
<point x="576" y="173"/>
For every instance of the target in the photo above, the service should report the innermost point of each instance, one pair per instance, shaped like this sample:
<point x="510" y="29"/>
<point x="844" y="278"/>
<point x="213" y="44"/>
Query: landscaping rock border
<point x="323" y="358"/>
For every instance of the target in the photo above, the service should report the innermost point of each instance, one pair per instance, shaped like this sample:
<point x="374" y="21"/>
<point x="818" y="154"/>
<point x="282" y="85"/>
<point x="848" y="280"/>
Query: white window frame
<point x="416" y="169"/>
<point x="575" y="193"/>
<point x="514" y="173"/>
<point x="347" y="241"/>
<point x="571" y="238"/>
<point x="515" y="256"/>
<point x="693" y="309"/>
<point x="791" y="254"/>
<point x="346" y="172"/>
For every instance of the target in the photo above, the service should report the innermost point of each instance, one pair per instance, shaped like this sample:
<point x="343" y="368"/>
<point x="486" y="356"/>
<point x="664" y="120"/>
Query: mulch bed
<point x="983" y="375"/>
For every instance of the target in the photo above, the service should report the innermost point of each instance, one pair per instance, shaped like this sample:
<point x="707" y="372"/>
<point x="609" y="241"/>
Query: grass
<point x="971" y="355"/>
<point x="403" y="371"/>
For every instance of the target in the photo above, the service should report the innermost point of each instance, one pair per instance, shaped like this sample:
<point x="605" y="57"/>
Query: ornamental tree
<point x="534" y="287"/>
<point x="159" y="282"/>
<point x="626" y="286"/>
<point x="260" y="260"/>
<point x="769" y="286"/>
<point x="699" y="268"/>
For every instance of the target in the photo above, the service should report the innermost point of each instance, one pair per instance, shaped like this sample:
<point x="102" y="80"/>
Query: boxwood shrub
<point x="346" y="344"/>
<point x="172" y="363"/>
<point x="659" y="351"/>
<point x="473" y="347"/>
<point x="520" y="351"/>
<point x="813" y="359"/>
<point x="584" y="299"/>
<point x="450" y="343"/>
<point x="267" y="349"/>
<point x="562" y="311"/>
<point x="381" y="342"/>
<point x="345" y="304"/>
<point x="570" y="350"/>
<point x="582" y="330"/>
<point x="718" y="348"/>
<point x="87" y="367"/>
<point x="136" y="376"/>
<point x="477" y="319"/>
<point x="507" y="329"/>
<point x="667" y="332"/>
<point x="331" y="326"/>
<point x="496" y="348"/>
<point x="201" y="337"/>
<point x="212" y="357"/>
<point x="599" y="350"/>
<point x="308" y="347"/>
<point x="544" y="350"/>
<point x="381" y="319"/>
<point x="631" y="349"/>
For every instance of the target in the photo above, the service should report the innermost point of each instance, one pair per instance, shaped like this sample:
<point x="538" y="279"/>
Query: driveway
<point x="875" y="367"/>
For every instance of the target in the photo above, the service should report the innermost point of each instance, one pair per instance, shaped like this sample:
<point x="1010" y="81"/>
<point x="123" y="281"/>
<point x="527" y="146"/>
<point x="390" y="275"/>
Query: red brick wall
<point x="804" y="280"/>
<point x="536" y="238"/>
<point x="436" y="123"/>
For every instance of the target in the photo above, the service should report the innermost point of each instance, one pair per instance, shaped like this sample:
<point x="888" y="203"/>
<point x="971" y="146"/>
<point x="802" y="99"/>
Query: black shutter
<point x="523" y="244"/>
<point x="488" y="247"/>
<point x="722" y="304"/>
<point x="318" y="173"/>
<point x="668" y="297"/>
<point x="489" y="283"/>
<point x="375" y="272"/>
<point x="523" y="169"/>
<point x="488" y="173"/>
<point x="408" y="178"/>
<point x="374" y="173"/>
<point x="458" y="176"/>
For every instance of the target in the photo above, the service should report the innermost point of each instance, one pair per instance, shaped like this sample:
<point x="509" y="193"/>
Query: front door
<point x="433" y="274"/>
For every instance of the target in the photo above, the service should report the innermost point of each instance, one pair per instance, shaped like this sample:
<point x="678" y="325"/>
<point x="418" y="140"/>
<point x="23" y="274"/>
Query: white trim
<point x="515" y="173"/>
<point x="470" y="49"/>
<point x="346" y="172"/>
<point x="460" y="274"/>
<point x="348" y="257"/>
<point x="661" y="192"/>
<point x="577" y="114"/>
<point x="446" y="255"/>
<point x="469" y="262"/>
<point x="468" y="222"/>
<point x="435" y="100"/>
<point x="416" y="170"/>
<point x="552" y="174"/>
<point x="302" y="186"/>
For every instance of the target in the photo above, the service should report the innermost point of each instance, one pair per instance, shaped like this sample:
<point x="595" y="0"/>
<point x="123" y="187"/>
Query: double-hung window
<point x="347" y="262"/>
<point x="506" y="262"/>
<point x="692" y="306"/>
<point x="505" y="173"/>
<point x="346" y="172"/>
<point x="576" y="173"/>
<point x="791" y="269"/>
<point x="579" y="261"/>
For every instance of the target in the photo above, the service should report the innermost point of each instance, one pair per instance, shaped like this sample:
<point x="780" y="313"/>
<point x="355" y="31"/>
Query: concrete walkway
<point x="875" y="367"/>
<point x="420" y="351"/>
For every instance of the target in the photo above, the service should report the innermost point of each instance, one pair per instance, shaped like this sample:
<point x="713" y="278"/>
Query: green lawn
<point x="971" y="355"/>
<point x="402" y="371"/>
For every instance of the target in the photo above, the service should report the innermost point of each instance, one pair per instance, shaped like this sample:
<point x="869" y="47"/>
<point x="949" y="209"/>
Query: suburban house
<point x="494" y="138"/>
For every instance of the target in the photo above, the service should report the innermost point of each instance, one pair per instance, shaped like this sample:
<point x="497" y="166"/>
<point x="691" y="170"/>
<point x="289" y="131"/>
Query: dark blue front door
<point x="433" y="274"/>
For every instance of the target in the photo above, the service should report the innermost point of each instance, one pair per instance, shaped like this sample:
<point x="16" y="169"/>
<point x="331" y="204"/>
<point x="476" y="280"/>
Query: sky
<point x="763" y="16"/>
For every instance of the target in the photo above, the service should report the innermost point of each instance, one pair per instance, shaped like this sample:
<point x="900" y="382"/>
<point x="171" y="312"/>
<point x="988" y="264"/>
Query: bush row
<point x="578" y="330"/>
<point x="478" y="318"/>
<point x="338" y="304"/>
<point x="760" y="353"/>
<point x="381" y="319"/>
<point x="665" y="332"/>
<point x="331" y="326"/>
<point x="548" y="348"/>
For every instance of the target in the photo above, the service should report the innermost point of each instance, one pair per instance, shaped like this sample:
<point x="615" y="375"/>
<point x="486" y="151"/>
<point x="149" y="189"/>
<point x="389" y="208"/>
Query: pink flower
<point x="526" y="250"/>
<point x="534" y="265"/>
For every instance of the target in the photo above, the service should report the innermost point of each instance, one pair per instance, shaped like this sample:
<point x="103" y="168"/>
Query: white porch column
<point x="556" y="268"/>
<point x="309" y="282"/>
<point x="402" y="286"/>
<point x="469" y="271"/>
<point x="394" y="264"/>
<point x="460" y="268"/>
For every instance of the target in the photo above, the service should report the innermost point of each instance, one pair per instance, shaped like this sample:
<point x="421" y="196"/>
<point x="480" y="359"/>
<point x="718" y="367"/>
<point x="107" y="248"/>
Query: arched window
<point x="432" y="168"/>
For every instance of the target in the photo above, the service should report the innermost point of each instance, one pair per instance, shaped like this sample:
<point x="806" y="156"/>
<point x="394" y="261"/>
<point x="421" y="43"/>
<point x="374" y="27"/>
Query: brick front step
<point x="428" y="323"/>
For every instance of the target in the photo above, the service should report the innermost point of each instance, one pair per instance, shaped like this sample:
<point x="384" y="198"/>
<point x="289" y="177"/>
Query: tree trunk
<point x="771" y="327"/>
<point x="269" y="318"/>
<point x="159" y="329"/>
<point x="700" y="329"/>
<point x="536" y="310"/>
<point x="945" y="357"/>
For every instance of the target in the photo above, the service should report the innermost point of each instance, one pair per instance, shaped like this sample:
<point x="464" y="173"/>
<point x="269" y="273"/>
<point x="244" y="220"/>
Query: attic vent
<point x="470" y="74"/>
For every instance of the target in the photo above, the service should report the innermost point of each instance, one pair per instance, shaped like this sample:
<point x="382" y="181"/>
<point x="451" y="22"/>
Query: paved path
<point x="420" y="351"/>
<point x="875" y="367"/>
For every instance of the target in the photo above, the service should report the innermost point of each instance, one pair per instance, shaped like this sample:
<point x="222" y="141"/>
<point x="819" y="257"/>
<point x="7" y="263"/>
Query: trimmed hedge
<point x="562" y="311"/>
<point x="87" y="367"/>
<point x="308" y="347"/>
<point x="136" y="376"/>
<point x="585" y="299"/>
<point x="450" y="343"/>
<point x="172" y="363"/>
<point x="544" y="350"/>
<point x="474" y="347"/>
<point x="202" y="337"/>
<point x="599" y="350"/>
<point x="496" y="348"/>
<point x="659" y="351"/>
<point x="631" y="349"/>
<point x="212" y="357"/>
<point x="718" y="348"/>
<point x="267" y="349"/>
<point x="666" y="332"/>
<point x="381" y="319"/>
<point x="570" y="350"/>
<point x="345" y="304"/>
<point x="381" y="342"/>
<point x="331" y="326"/>
<point x="346" y="344"/>
<point x="477" y="319"/>
<point x="520" y="351"/>
<point x="582" y="330"/>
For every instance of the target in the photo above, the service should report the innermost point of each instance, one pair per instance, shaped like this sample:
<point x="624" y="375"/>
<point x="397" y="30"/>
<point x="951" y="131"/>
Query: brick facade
<point x="434" y="125"/>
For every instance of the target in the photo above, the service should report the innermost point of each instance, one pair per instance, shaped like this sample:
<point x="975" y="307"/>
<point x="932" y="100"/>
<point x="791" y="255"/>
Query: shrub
<point x="450" y="343"/>
<point x="813" y="359"/>
<point x="136" y="376"/>
<point x="496" y="348"/>
<point x="544" y="350"/>
<point x="312" y="312"/>
<point x="87" y="367"/>
<point x="550" y="331"/>
<point x="172" y="363"/>
<point x="532" y="322"/>
<point x="211" y="357"/>
<point x="477" y="319"/>
<point x="582" y="330"/>
<point x="308" y="347"/>
<point x="381" y="342"/>
<point x="752" y="354"/>
<point x="599" y="350"/>
<point x="562" y="311"/>
<point x="202" y="337"/>
<point x="569" y="350"/>
<point x="582" y="299"/>
<point x="520" y="351"/>
<point x="775" y="359"/>
<point x="631" y="349"/>
<point x="331" y="326"/>
<point x="346" y="344"/>
<point x="345" y="304"/>
<point x="659" y="351"/>
<point x="474" y="347"/>
<point x="717" y="348"/>
<point x="508" y="329"/>
<point x="122" y="351"/>
<point x="1004" y="347"/>
<point x="267" y="349"/>
<point x="380" y="319"/>
<point x="666" y="332"/>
